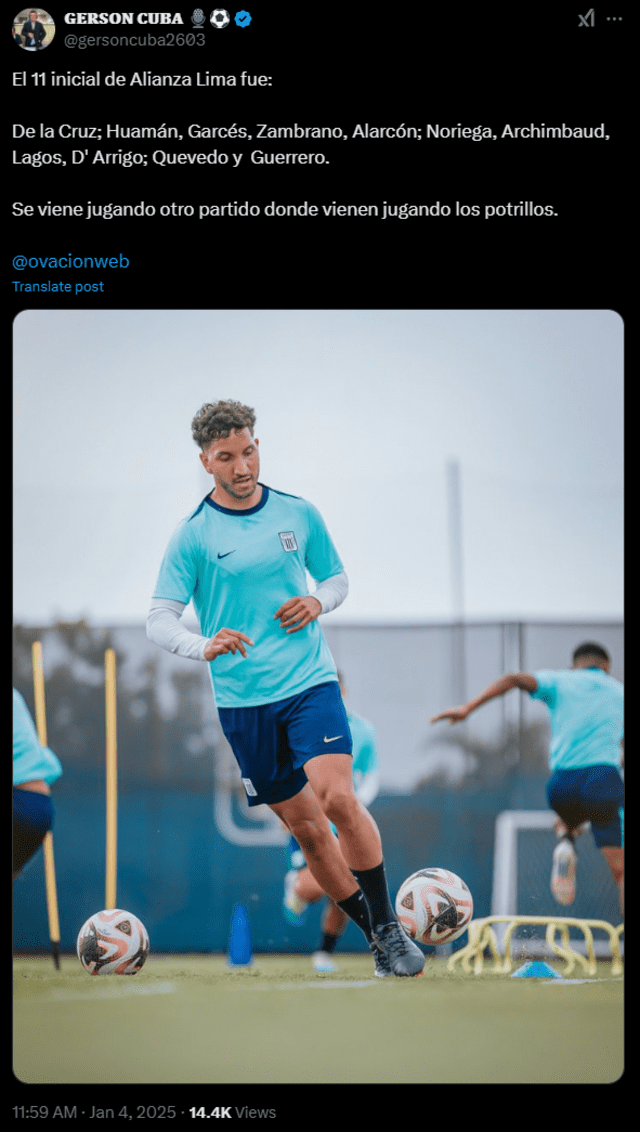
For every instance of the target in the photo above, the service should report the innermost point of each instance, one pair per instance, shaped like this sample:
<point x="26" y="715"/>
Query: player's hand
<point x="226" y="640"/>
<point x="298" y="612"/>
<point x="454" y="715"/>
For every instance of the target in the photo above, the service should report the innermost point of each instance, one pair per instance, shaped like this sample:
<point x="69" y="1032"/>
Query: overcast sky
<point x="358" y="411"/>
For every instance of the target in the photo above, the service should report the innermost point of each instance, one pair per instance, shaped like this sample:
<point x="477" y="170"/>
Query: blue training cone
<point x="240" y="954"/>
<point x="535" y="970"/>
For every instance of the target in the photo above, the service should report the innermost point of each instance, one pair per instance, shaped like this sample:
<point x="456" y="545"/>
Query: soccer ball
<point x="113" y="943"/>
<point x="434" y="906"/>
<point x="220" y="18"/>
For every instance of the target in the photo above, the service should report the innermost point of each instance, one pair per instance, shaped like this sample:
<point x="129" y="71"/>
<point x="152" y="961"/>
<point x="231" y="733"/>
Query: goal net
<point x="524" y="844"/>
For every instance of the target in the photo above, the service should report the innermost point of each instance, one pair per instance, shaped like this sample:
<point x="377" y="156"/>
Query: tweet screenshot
<point x="318" y="328"/>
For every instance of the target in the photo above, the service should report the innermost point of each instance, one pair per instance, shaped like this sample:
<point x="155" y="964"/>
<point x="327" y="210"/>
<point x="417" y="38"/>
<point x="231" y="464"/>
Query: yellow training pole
<point x="47" y="844"/>
<point x="112" y="778"/>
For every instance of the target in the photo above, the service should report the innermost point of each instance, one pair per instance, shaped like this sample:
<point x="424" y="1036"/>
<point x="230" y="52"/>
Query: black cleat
<point x="392" y="948"/>
<point x="383" y="967"/>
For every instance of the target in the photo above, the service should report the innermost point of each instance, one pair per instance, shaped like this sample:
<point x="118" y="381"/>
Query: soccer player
<point x="242" y="557"/>
<point x="300" y="887"/>
<point x="586" y="708"/>
<point x="35" y="768"/>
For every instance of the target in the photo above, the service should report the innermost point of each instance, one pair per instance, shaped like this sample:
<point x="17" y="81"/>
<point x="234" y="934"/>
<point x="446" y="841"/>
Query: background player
<point x="35" y="768"/>
<point x="300" y="886"/>
<point x="243" y="557"/>
<point x="586" y="708"/>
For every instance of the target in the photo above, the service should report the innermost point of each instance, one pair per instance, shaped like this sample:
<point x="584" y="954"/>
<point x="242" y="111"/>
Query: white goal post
<point x="523" y="847"/>
<point x="504" y="892"/>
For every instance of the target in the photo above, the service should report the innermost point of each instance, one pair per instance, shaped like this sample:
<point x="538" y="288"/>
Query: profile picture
<point x="33" y="29"/>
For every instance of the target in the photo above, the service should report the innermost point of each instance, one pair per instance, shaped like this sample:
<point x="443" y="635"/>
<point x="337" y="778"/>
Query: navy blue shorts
<point x="32" y="819"/>
<point x="594" y="794"/>
<point x="272" y="742"/>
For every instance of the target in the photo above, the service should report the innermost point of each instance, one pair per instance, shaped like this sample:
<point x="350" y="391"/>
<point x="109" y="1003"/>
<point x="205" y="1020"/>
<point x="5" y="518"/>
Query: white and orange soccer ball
<point x="113" y="942"/>
<point x="434" y="906"/>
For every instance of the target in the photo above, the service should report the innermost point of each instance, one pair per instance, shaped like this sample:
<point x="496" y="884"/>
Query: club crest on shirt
<point x="288" y="540"/>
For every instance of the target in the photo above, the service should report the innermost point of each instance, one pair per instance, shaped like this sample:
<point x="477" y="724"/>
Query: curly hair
<point x="221" y="418"/>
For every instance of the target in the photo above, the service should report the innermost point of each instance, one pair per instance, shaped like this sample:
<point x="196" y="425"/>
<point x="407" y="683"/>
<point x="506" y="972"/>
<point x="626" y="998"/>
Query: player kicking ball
<point x="242" y="558"/>
<point x="586" y="708"/>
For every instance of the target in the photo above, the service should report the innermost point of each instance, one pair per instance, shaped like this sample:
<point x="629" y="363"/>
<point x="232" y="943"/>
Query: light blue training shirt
<point x="365" y="755"/>
<point x="586" y="707"/>
<point x="239" y="567"/>
<point x="30" y="760"/>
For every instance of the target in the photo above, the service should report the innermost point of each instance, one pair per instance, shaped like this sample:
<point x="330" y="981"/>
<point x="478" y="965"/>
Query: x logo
<point x="587" y="20"/>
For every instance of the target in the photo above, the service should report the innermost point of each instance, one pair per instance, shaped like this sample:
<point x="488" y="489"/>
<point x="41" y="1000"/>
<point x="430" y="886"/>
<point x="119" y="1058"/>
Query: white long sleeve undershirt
<point x="164" y="626"/>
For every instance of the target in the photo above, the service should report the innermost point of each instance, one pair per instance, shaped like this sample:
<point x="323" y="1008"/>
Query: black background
<point x="337" y="67"/>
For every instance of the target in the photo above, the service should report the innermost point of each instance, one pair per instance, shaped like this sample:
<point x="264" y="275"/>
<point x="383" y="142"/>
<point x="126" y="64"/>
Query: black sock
<point x="328" y="942"/>
<point x="373" y="883"/>
<point x="357" y="909"/>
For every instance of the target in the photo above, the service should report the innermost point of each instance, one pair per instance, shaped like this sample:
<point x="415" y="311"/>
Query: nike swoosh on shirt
<point x="332" y="739"/>
<point x="227" y="554"/>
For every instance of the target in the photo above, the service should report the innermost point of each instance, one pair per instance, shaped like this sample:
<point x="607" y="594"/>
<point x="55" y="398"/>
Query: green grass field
<point x="191" y="1019"/>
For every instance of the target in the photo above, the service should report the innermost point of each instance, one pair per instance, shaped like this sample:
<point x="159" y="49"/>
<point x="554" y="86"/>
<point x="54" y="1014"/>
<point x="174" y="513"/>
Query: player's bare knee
<point x="311" y="836"/>
<point x="615" y="860"/>
<point x="342" y="807"/>
<point x="617" y="868"/>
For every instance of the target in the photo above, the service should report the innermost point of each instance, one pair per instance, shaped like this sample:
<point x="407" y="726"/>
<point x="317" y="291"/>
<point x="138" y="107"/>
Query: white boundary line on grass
<point x="116" y="990"/>
<point x="328" y="984"/>
<point x="567" y="982"/>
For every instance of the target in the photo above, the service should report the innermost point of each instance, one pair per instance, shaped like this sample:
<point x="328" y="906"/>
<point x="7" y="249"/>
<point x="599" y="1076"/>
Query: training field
<point x="191" y="1019"/>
